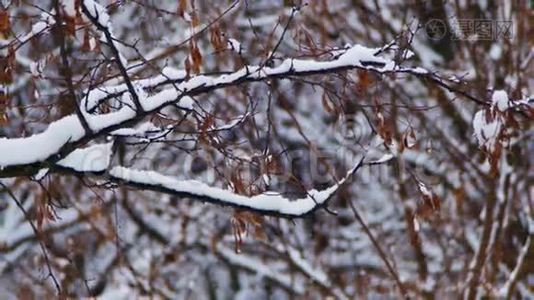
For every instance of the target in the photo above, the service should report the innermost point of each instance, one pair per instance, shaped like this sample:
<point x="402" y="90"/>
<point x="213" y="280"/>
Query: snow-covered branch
<point x="24" y="156"/>
<point x="268" y="203"/>
<point x="67" y="134"/>
<point x="100" y="18"/>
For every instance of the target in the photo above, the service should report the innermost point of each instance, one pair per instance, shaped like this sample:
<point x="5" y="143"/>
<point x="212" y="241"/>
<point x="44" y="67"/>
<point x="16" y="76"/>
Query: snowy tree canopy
<point x="242" y="149"/>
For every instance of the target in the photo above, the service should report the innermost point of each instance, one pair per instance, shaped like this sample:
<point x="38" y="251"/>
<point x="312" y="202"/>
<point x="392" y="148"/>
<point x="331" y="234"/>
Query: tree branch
<point x="66" y="134"/>
<point x="381" y="252"/>
<point x="268" y="203"/>
<point x="95" y="19"/>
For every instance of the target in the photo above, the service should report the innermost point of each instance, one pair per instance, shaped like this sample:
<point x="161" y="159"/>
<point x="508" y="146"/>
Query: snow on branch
<point x="66" y="134"/>
<point x="98" y="15"/>
<point x="268" y="203"/>
<point x="490" y="125"/>
<point x="96" y="96"/>
<point x="97" y="12"/>
<point x="68" y="130"/>
<point x="39" y="147"/>
<point x="94" y="159"/>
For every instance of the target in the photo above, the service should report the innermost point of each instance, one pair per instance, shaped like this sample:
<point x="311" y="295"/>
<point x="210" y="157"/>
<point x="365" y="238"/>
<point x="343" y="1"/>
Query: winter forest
<point x="314" y="149"/>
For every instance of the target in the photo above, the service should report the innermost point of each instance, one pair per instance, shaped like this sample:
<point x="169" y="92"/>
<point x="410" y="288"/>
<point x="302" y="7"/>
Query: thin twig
<point x="381" y="252"/>
<point x="37" y="234"/>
